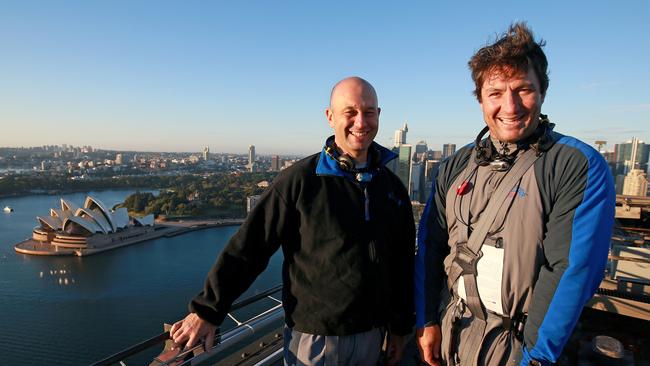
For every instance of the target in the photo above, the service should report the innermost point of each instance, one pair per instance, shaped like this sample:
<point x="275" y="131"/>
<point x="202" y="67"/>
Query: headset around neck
<point x="488" y="154"/>
<point x="347" y="163"/>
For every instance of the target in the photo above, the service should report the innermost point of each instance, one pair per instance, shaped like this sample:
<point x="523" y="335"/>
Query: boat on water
<point x="8" y="209"/>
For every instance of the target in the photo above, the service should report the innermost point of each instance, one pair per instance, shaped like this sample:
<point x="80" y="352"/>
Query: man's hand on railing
<point x="191" y="329"/>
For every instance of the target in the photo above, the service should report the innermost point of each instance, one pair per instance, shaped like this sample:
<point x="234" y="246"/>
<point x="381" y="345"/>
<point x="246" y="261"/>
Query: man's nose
<point x="511" y="102"/>
<point x="360" y="120"/>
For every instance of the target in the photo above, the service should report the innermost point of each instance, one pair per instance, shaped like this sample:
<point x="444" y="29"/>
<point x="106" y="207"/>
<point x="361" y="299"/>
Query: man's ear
<point x="378" y="111"/>
<point x="330" y="117"/>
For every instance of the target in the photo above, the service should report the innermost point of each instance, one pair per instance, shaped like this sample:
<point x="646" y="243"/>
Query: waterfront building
<point x="251" y="202"/>
<point x="91" y="227"/>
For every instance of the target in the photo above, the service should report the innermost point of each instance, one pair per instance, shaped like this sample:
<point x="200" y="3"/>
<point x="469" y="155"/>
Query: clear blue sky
<point x="177" y="76"/>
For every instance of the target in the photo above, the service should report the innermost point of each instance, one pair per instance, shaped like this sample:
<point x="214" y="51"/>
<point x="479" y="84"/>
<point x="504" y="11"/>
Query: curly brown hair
<point x="513" y="52"/>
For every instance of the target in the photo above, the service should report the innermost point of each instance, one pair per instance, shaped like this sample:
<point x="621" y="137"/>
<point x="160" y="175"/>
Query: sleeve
<point x="402" y="317"/>
<point x="431" y="250"/>
<point x="244" y="258"/>
<point x="578" y="232"/>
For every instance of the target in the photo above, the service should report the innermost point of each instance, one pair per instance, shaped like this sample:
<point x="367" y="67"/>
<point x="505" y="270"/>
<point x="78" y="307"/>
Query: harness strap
<point x="477" y="328"/>
<point x="469" y="253"/>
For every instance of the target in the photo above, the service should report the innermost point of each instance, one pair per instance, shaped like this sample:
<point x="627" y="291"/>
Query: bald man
<point x="345" y="225"/>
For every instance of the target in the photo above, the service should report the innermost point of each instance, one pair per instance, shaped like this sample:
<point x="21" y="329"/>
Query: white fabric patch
<point x="488" y="279"/>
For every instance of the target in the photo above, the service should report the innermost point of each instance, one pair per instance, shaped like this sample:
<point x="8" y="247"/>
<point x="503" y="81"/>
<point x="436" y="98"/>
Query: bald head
<point x="353" y="114"/>
<point x="354" y="82"/>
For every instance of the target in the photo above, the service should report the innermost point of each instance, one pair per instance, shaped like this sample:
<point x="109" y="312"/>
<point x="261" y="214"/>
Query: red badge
<point x="465" y="187"/>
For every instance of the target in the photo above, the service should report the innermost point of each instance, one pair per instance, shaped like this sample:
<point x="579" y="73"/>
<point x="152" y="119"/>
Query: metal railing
<point x="223" y="340"/>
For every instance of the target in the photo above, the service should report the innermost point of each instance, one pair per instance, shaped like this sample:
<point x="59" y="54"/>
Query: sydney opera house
<point x="85" y="230"/>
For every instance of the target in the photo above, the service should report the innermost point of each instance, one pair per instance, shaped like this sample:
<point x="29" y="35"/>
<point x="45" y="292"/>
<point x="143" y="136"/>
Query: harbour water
<point x="76" y="310"/>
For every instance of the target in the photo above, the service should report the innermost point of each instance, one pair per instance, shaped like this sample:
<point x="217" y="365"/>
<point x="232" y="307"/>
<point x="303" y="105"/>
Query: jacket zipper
<point x="366" y="203"/>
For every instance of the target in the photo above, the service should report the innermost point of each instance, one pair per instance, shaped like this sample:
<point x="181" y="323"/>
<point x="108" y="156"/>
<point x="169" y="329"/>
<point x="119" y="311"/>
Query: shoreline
<point x="166" y="229"/>
<point x="70" y="191"/>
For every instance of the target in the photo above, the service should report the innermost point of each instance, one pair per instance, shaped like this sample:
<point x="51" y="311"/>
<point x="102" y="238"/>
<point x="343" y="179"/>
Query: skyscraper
<point x="636" y="180"/>
<point x="448" y="150"/>
<point x="206" y="153"/>
<point x="275" y="163"/>
<point x="421" y="147"/>
<point x="623" y="156"/>
<point x="416" y="183"/>
<point x="404" y="164"/>
<point x="400" y="135"/>
<point x="251" y="158"/>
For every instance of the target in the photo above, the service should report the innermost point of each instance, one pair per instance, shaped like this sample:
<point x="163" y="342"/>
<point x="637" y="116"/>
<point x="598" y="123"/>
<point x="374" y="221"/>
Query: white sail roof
<point x="97" y="217"/>
<point x="86" y="223"/>
<point x="145" y="221"/>
<point x="120" y="217"/>
<point x="53" y="223"/>
<point x="93" y="203"/>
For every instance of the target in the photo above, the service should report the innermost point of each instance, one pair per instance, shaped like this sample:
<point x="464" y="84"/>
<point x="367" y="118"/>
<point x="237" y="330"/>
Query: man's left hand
<point x="395" y="348"/>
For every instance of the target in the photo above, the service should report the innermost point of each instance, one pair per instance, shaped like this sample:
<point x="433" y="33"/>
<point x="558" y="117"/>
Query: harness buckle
<point x="459" y="310"/>
<point x="515" y="325"/>
<point x="466" y="258"/>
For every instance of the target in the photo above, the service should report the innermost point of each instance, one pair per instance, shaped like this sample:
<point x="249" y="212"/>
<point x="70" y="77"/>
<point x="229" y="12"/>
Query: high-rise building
<point x="636" y="181"/>
<point x="404" y="164"/>
<point x="448" y="150"/>
<point x="430" y="167"/>
<point x="623" y="153"/>
<point x="400" y="135"/>
<point x="206" y="153"/>
<point x="118" y="159"/>
<point x="275" y="163"/>
<point x="416" y="182"/>
<point x="628" y="156"/>
<point x="251" y="158"/>
<point x="251" y="154"/>
<point x="421" y="147"/>
<point x="435" y="155"/>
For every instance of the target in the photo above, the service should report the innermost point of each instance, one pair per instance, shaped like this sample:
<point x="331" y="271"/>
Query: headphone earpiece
<point x="345" y="162"/>
<point x="486" y="154"/>
<point x="483" y="149"/>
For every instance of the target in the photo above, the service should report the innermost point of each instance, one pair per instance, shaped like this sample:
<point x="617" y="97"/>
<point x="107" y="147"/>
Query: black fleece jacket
<point x="345" y="271"/>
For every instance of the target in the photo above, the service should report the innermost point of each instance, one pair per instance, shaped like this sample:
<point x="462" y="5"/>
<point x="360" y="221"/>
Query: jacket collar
<point x="329" y="166"/>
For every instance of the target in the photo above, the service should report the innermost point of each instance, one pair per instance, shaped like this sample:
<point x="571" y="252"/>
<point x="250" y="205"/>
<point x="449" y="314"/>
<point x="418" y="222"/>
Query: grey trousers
<point x="361" y="349"/>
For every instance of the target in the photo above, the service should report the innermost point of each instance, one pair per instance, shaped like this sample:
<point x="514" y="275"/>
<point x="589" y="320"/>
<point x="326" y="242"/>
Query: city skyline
<point x="163" y="76"/>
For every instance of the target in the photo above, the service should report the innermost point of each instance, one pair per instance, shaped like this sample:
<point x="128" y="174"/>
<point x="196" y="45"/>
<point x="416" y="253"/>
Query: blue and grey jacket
<point x="547" y="253"/>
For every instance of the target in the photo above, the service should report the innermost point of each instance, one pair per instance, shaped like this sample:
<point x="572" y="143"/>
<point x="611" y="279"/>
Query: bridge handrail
<point x="162" y="337"/>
